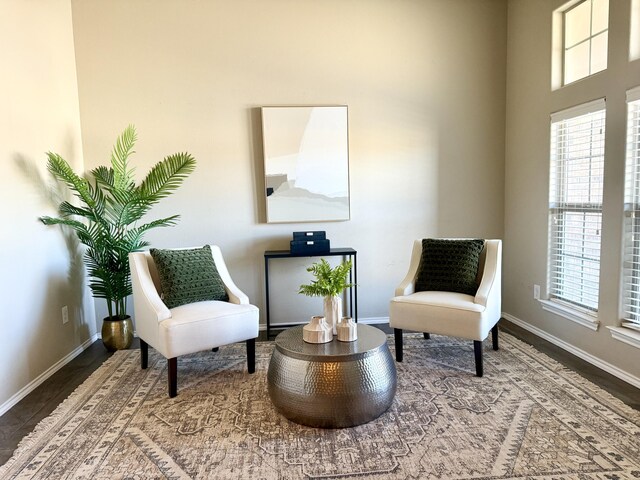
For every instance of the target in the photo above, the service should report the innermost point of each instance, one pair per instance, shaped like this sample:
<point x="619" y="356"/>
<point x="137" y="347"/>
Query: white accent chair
<point x="193" y="327"/>
<point x="450" y="313"/>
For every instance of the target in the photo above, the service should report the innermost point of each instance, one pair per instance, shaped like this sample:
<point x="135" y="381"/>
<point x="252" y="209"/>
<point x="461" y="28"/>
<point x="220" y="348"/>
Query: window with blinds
<point x="631" y="275"/>
<point x="575" y="205"/>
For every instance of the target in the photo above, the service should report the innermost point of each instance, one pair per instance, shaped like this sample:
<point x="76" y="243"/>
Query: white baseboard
<point x="36" y="382"/>
<point x="373" y="320"/>
<point x="607" y="367"/>
<point x="367" y="321"/>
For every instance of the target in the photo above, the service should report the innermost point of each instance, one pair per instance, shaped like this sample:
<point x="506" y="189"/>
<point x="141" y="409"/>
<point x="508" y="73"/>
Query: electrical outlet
<point x="536" y="292"/>
<point x="65" y="314"/>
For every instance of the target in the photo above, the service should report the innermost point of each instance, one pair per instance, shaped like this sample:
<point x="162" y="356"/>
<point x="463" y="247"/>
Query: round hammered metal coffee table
<point x="335" y="384"/>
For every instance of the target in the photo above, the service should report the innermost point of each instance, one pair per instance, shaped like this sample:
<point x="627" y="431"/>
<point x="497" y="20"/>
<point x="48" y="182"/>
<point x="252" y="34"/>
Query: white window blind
<point x="575" y="204"/>
<point x="631" y="275"/>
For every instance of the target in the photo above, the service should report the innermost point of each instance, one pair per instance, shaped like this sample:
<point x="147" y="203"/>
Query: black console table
<point x="334" y="252"/>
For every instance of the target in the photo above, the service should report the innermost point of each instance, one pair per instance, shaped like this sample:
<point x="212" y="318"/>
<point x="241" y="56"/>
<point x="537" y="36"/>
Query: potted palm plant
<point x="329" y="283"/>
<point x="107" y="218"/>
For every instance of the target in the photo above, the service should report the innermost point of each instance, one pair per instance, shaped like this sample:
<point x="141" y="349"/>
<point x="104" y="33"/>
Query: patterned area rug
<point x="528" y="417"/>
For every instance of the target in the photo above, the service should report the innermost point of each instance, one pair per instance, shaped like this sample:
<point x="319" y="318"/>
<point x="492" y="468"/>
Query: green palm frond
<point x="116" y="198"/>
<point x="123" y="175"/>
<point x="64" y="221"/>
<point x="104" y="176"/>
<point x="111" y="207"/>
<point x="117" y="209"/>
<point x="97" y="195"/>
<point x="67" y="210"/>
<point x="166" y="176"/>
<point x="61" y="169"/>
<point x="134" y="212"/>
<point x="161" y="222"/>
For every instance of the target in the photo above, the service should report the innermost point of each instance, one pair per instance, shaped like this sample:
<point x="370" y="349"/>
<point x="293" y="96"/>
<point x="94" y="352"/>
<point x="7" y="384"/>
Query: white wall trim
<point x="626" y="335"/>
<point x="607" y="367"/>
<point x="366" y="321"/>
<point x="36" y="382"/>
<point x="373" y="320"/>
<point x="572" y="314"/>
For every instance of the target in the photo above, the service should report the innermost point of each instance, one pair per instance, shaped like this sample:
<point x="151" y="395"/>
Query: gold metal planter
<point x="117" y="334"/>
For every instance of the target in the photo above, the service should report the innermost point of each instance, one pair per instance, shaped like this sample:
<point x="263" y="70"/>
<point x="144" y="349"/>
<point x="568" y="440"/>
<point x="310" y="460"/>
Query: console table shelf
<point x="334" y="252"/>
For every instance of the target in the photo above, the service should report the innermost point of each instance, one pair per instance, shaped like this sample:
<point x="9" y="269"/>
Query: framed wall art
<point x="306" y="163"/>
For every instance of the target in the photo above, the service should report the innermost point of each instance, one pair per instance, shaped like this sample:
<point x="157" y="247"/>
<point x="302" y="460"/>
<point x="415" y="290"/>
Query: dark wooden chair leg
<point x="144" y="354"/>
<point x="477" y="350"/>
<point x="173" y="376"/>
<point x="251" y="355"/>
<point x="494" y="336"/>
<point x="397" y="333"/>
<point x="215" y="349"/>
<point x="427" y="336"/>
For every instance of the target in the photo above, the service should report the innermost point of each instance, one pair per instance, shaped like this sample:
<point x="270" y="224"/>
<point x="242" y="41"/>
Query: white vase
<point x="347" y="330"/>
<point x="317" y="331"/>
<point x="333" y="312"/>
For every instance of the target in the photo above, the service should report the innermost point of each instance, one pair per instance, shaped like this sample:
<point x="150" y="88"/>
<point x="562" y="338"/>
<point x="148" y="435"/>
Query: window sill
<point x="581" y="318"/>
<point x="626" y="335"/>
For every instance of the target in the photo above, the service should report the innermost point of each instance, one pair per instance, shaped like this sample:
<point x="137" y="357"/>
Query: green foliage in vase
<point x="329" y="281"/>
<point x="110" y="208"/>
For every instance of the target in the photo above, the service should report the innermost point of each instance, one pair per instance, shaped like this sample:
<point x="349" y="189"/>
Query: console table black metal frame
<point x="334" y="252"/>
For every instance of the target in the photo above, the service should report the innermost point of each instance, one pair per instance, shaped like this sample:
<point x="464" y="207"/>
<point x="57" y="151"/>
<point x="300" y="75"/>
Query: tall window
<point x="631" y="289"/>
<point x="585" y="39"/>
<point x="575" y="205"/>
<point x="634" y="31"/>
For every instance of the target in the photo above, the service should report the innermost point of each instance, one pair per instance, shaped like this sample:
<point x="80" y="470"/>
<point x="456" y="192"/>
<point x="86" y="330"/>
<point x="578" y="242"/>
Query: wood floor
<point x="23" y="417"/>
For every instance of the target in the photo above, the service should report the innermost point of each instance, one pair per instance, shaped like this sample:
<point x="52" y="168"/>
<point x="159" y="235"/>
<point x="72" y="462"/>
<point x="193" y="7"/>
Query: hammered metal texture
<point x="335" y="384"/>
<point x="117" y="334"/>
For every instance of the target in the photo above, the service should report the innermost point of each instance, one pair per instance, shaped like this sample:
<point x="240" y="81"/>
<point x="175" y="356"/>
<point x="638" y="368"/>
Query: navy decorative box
<point x="316" y="235"/>
<point x="313" y="247"/>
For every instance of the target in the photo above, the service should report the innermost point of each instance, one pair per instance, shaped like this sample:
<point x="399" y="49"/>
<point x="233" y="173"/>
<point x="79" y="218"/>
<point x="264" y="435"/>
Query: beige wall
<point x="530" y="101"/>
<point x="39" y="112"/>
<point x="424" y="81"/>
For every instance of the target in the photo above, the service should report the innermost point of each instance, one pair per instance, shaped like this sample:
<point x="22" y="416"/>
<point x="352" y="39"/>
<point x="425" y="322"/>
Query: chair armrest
<point x="490" y="284"/>
<point x="408" y="284"/>
<point x="148" y="304"/>
<point x="235" y="294"/>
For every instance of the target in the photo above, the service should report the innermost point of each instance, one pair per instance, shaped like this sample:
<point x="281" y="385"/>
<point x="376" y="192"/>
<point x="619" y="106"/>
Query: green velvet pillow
<point x="449" y="265"/>
<point x="188" y="276"/>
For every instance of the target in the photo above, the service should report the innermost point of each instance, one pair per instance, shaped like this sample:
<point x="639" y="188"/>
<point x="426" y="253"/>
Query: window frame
<point x="576" y="311"/>
<point x="630" y="291"/>
<point x="564" y="49"/>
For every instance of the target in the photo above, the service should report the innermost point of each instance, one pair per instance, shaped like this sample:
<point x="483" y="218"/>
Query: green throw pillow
<point x="449" y="265"/>
<point x="188" y="276"/>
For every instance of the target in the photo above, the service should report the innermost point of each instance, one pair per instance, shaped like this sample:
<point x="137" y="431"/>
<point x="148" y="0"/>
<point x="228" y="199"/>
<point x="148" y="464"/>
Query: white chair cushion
<point x="205" y="325"/>
<point x="450" y="300"/>
<point x="443" y="313"/>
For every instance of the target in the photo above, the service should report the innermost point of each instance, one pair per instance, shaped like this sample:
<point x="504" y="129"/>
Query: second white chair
<point x="469" y="316"/>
